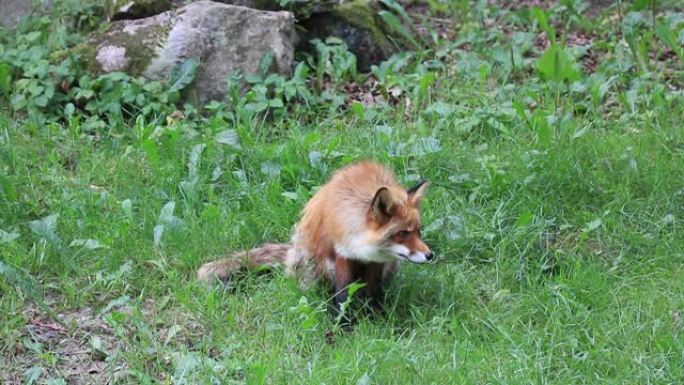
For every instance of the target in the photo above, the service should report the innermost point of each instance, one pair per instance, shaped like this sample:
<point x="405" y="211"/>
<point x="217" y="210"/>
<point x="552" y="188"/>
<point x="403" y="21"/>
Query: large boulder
<point x="356" y="22"/>
<point x="12" y="11"/>
<point x="225" y="38"/>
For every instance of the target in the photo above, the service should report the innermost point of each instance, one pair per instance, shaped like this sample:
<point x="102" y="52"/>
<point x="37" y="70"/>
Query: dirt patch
<point x="367" y="93"/>
<point x="575" y="38"/>
<point x="590" y="59"/>
<point x="520" y="4"/>
<point x="426" y="23"/>
<point x="594" y="7"/>
<point x="72" y="351"/>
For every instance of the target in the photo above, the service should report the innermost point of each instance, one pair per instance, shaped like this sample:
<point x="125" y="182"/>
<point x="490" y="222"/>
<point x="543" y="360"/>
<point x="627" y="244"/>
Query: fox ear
<point x="382" y="206"/>
<point x="416" y="193"/>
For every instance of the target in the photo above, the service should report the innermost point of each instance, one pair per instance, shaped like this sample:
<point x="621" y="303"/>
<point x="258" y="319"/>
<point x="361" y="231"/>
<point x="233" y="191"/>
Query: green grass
<point x="556" y="211"/>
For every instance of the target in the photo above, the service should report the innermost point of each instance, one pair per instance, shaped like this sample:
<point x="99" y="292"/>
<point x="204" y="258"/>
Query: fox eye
<point x="403" y="234"/>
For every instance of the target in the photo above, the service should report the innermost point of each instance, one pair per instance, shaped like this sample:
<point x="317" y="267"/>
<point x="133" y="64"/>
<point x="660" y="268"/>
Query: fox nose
<point x="429" y="255"/>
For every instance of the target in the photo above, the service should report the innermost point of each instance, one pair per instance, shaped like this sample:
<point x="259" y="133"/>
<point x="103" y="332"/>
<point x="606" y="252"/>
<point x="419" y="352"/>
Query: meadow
<point x="553" y="141"/>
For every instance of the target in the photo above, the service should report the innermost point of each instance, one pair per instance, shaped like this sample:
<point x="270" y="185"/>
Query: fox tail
<point x="268" y="255"/>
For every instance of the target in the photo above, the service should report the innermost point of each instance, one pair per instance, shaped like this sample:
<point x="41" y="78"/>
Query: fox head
<point x="394" y="216"/>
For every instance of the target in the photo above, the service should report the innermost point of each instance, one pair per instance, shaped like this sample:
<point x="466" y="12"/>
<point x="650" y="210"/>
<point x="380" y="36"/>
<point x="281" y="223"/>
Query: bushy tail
<point x="264" y="256"/>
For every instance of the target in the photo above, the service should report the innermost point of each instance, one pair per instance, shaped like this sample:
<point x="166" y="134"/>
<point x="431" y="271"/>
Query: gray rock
<point x="11" y="11"/>
<point x="225" y="38"/>
<point x="356" y="23"/>
<point x="302" y="9"/>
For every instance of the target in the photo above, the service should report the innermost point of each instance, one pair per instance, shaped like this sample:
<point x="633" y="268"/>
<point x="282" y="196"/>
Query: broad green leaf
<point x="167" y="218"/>
<point x="316" y="159"/>
<point x="33" y="374"/>
<point x="157" y="234"/>
<point x="127" y="207"/>
<point x="33" y="36"/>
<point x="393" y="22"/>
<point x="632" y="23"/>
<point x="364" y="380"/>
<point x="254" y="79"/>
<point x="427" y="146"/>
<point x="185" y="363"/>
<point x="271" y="169"/>
<point x="557" y="65"/>
<point x="183" y="74"/>
<point x="332" y="40"/>
<point x="398" y="9"/>
<point x="593" y="225"/>
<point x="46" y="228"/>
<point x="440" y="108"/>
<point x="5" y="78"/>
<point x="524" y="219"/>
<point x="290" y="195"/>
<point x="90" y="244"/>
<point x="216" y="173"/>
<point x="275" y="103"/>
<point x="69" y="109"/>
<point x="229" y="137"/>
<point x="171" y="333"/>
<point x="167" y="210"/>
<point x="41" y="101"/>
<point x="193" y="162"/>
<point x="266" y="63"/>
<point x="118" y="302"/>
<point x="540" y="15"/>
<point x="99" y="347"/>
<point x="6" y="237"/>
<point x="579" y="133"/>
<point x="359" y="110"/>
<point x="256" y="106"/>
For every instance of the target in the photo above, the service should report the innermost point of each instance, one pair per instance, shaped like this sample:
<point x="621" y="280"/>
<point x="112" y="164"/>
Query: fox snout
<point x="421" y="256"/>
<point x="429" y="255"/>
<point x="420" y="251"/>
<point x="413" y="249"/>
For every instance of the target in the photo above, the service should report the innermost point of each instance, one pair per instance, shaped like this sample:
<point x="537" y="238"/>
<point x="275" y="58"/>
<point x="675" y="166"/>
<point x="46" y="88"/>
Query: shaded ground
<point x="77" y="351"/>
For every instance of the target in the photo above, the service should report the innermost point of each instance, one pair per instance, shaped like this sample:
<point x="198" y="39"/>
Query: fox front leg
<point x="344" y="275"/>
<point x="374" y="286"/>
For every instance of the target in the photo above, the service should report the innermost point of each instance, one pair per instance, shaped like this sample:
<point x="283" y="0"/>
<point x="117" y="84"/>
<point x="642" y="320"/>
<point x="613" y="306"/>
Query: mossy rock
<point x="13" y="11"/>
<point x="128" y="47"/>
<point x="359" y="25"/>
<point x="136" y="9"/>
<point x="226" y="39"/>
<point x="356" y="22"/>
<point x="302" y="9"/>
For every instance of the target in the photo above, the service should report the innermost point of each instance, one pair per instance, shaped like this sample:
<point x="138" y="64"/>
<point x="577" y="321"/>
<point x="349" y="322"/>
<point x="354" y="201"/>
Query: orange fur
<point x="357" y="227"/>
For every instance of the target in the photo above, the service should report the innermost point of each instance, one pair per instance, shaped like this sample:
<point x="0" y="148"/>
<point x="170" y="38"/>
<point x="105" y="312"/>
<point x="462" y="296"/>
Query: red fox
<point x="357" y="227"/>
